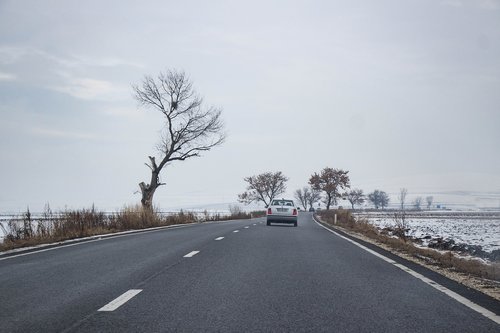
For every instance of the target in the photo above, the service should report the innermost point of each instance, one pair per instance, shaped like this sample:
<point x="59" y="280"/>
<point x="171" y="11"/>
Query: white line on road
<point x="219" y="238"/>
<point x="236" y="231"/>
<point x="485" y="312"/>
<point x="255" y="224"/>
<point x="247" y="227"/>
<point x="120" y="300"/>
<point x="192" y="253"/>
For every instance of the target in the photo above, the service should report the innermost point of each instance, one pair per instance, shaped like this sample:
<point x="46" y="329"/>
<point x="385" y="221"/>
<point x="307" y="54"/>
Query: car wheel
<point x="268" y="223"/>
<point x="295" y="224"/>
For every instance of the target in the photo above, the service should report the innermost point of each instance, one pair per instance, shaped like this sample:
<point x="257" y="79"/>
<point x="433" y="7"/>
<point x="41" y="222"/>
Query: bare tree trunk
<point x="148" y="190"/>
<point x="329" y="201"/>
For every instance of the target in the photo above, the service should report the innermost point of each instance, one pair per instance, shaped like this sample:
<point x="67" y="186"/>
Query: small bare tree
<point x="189" y="130"/>
<point x="314" y="197"/>
<point x="402" y="197"/>
<point x="401" y="224"/>
<point x="355" y="197"/>
<point x="417" y="203"/>
<point x="429" y="200"/>
<point x="302" y="196"/>
<point x="264" y="187"/>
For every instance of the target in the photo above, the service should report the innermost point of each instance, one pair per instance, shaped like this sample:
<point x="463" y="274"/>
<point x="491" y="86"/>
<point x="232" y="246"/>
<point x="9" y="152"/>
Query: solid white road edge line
<point x="485" y="312"/>
<point x="192" y="253"/>
<point x="120" y="300"/>
<point x="219" y="238"/>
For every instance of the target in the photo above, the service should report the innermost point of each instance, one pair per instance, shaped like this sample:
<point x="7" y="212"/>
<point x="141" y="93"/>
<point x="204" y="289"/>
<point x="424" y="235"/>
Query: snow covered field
<point x="464" y="228"/>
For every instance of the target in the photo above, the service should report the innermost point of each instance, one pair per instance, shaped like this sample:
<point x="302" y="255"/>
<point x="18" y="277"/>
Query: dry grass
<point x="442" y="259"/>
<point x="54" y="227"/>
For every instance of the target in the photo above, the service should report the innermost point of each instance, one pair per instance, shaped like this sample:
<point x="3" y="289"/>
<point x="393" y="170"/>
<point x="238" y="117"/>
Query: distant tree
<point x="429" y="200"/>
<point x="402" y="197"/>
<point x="189" y="128"/>
<point x="331" y="182"/>
<point x="302" y="195"/>
<point x="379" y="199"/>
<point x="355" y="197"/>
<point x="417" y="203"/>
<point x="264" y="187"/>
<point x="314" y="197"/>
<point x="307" y="196"/>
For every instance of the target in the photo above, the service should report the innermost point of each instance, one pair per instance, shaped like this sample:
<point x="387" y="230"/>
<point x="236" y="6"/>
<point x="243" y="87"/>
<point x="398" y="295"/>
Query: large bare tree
<point x="189" y="127"/>
<point x="264" y="187"/>
<point x="332" y="182"/>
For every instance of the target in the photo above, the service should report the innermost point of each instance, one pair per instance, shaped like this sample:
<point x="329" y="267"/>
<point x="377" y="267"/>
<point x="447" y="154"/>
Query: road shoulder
<point x="455" y="282"/>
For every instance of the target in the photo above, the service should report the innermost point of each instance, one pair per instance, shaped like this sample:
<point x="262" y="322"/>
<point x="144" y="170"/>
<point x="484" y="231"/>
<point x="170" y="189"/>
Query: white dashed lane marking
<point x="247" y="227"/>
<point x="219" y="238"/>
<point x="192" y="253"/>
<point x="120" y="300"/>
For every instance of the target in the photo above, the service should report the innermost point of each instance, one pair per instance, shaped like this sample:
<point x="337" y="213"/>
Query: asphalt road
<point x="265" y="279"/>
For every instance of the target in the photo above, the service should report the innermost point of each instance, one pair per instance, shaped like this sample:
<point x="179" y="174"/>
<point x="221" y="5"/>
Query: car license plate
<point x="282" y="209"/>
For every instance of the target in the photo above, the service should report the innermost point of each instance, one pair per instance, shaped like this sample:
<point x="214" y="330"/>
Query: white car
<point x="282" y="211"/>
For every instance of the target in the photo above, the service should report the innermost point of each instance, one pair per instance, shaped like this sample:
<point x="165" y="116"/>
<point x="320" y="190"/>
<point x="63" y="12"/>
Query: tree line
<point x="328" y="186"/>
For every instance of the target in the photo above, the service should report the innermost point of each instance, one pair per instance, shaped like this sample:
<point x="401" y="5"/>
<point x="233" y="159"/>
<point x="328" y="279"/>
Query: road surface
<point x="236" y="276"/>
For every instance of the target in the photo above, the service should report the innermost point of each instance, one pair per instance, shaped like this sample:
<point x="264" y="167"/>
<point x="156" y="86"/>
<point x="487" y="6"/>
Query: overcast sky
<point x="400" y="93"/>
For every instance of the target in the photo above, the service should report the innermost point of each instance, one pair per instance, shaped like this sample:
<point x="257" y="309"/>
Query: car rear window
<point x="283" y="203"/>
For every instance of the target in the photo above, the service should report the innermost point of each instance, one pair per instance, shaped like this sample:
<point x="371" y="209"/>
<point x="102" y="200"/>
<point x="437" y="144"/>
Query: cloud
<point x="7" y="77"/>
<point x="490" y="4"/>
<point x="123" y="112"/>
<point x="76" y="75"/>
<point x="86" y="88"/>
<point x="81" y="60"/>
<point x="452" y="3"/>
<point x="484" y="4"/>
<point x="54" y="133"/>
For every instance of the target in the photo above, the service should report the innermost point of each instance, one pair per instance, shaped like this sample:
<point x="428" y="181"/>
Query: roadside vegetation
<point x="50" y="227"/>
<point x="398" y="242"/>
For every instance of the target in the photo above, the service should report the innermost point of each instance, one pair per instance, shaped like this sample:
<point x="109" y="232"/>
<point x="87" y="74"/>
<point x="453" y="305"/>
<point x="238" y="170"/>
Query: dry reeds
<point x="70" y="224"/>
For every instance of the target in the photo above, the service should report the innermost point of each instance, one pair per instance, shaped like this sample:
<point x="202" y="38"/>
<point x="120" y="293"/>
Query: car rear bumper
<point x="282" y="218"/>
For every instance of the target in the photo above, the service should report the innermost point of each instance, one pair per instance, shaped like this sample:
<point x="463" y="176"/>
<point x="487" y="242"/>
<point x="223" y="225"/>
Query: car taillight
<point x="294" y="212"/>
<point x="269" y="211"/>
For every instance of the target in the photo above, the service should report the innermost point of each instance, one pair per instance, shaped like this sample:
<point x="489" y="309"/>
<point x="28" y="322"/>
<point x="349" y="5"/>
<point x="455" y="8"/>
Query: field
<point x="474" y="233"/>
